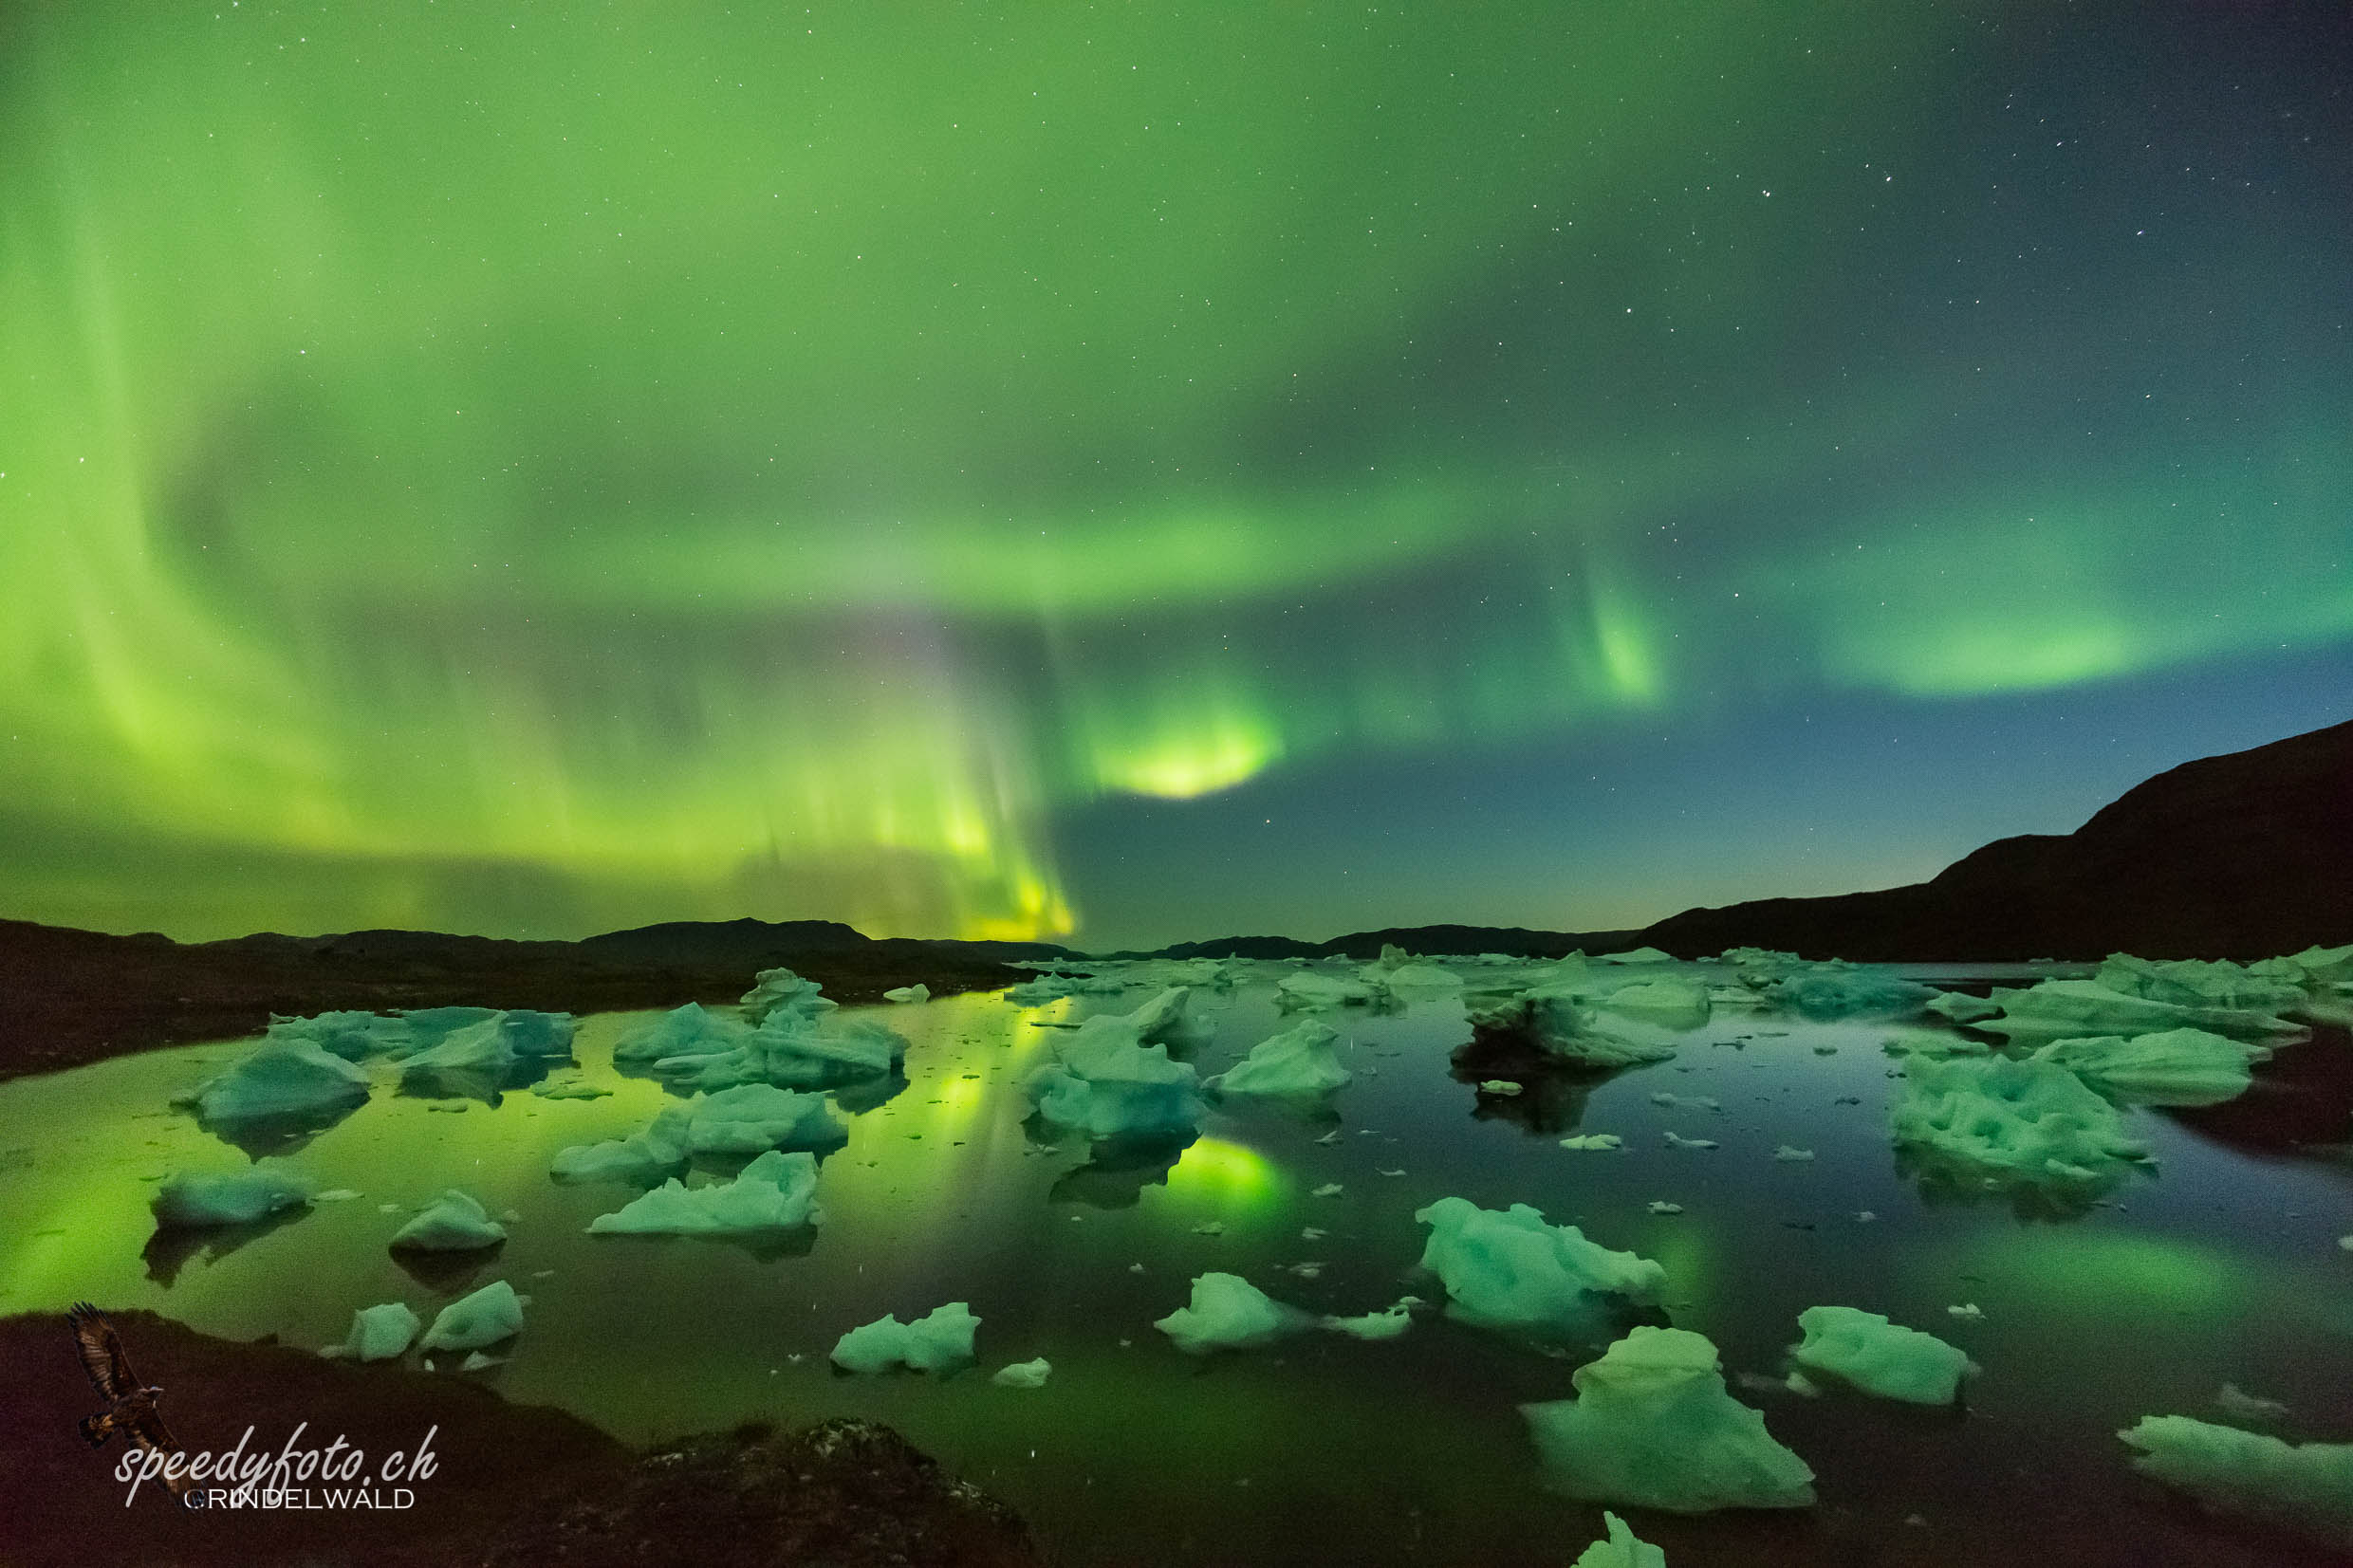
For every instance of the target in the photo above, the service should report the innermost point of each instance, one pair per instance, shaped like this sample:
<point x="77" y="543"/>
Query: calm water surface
<point x="1322" y="1449"/>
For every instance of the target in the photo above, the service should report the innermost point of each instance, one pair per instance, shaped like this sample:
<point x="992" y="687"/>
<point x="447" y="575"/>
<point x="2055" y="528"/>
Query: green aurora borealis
<point x="535" y="469"/>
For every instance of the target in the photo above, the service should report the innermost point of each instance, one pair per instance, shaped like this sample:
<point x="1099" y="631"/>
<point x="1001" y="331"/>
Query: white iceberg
<point x="1823" y="995"/>
<point x="490" y="1315"/>
<point x="1961" y="1008"/>
<point x="1511" y="1268"/>
<point x="1635" y="955"/>
<point x="1593" y="1140"/>
<point x="1226" y="1312"/>
<point x="776" y="991"/>
<point x="792" y="1050"/>
<point x="2058" y="1009"/>
<point x="1555" y="1021"/>
<point x="2308" y="1485"/>
<point x="283" y="1078"/>
<point x="1997" y="1116"/>
<point x="1022" y="1374"/>
<point x="776" y="1192"/>
<point x="1308" y="989"/>
<point x="350" y="1035"/>
<point x="241" y="1197"/>
<point x="1670" y="1003"/>
<point x="917" y="992"/>
<point x="756" y="1117"/>
<point x="2178" y="1067"/>
<point x="378" y="1333"/>
<point x="940" y="1340"/>
<point x="452" y="1223"/>
<point x="1619" y="1549"/>
<point x="645" y="1156"/>
<point x="2197" y="983"/>
<point x="1653" y="1426"/>
<point x="689" y="1030"/>
<point x="1300" y="1061"/>
<point x="1104" y="1083"/>
<point x="1867" y="1351"/>
<point x="1389" y="1323"/>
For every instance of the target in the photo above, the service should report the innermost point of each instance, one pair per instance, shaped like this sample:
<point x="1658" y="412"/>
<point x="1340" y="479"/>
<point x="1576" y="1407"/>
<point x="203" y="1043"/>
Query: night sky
<point x="1144" y="472"/>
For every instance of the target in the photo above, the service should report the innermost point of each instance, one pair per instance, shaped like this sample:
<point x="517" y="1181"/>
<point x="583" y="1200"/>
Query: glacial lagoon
<point x="2217" y="1262"/>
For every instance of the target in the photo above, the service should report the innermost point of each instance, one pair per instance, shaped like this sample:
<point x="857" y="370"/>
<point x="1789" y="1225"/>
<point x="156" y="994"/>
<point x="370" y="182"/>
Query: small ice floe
<point x="1788" y="1154"/>
<point x="1594" y="1140"/>
<point x="1298" y="1064"/>
<point x="1022" y="1374"/>
<point x="334" y="1195"/>
<point x="570" y="1087"/>
<point x="285" y="1076"/>
<point x="1135" y="1268"/>
<point x="1210" y="1227"/>
<point x="2346" y="1241"/>
<point x="1329" y="1189"/>
<point x="198" y="1203"/>
<point x="1226" y="1312"/>
<point x="1968" y="1312"/>
<point x="1661" y="1205"/>
<point x="1385" y="1324"/>
<point x="2310" y="1485"/>
<point x="776" y="1192"/>
<point x="1311" y="1233"/>
<point x="543" y="1274"/>
<point x="2239" y="1405"/>
<point x="1864" y="1216"/>
<point x="378" y="1333"/>
<point x="1331" y="1138"/>
<point x="490" y="1315"/>
<point x="1619" y="1549"/>
<point x="1305" y="1270"/>
<point x="917" y="992"/>
<point x="454" y="1222"/>
<point x="1511" y="1268"/>
<point x="1676" y="1140"/>
<point x="479" y="1361"/>
<point x="1863" y="1351"/>
<point x="940" y="1340"/>
<point x="388" y="1209"/>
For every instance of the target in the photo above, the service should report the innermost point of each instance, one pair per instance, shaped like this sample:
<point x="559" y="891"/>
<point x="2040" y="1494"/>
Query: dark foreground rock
<point x="67" y="997"/>
<point x="513" y="1485"/>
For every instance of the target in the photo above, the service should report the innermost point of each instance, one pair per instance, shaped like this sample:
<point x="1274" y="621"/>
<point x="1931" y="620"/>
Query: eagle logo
<point x="130" y="1404"/>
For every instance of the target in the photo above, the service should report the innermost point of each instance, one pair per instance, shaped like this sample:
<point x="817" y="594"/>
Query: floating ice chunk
<point x="1619" y="1549"/>
<point x="2178" y="1067"/>
<point x="2312" y="968"/>
<point x="241" y="1197"/>
<point x="1511" y="1268"/>
<point x="1790" y="1154"/>
<point x="532" y="1034"/>
<point x="2241" y="1406"/>
<point x="570" y="1087"/>
<point x="1308" y="989"/>
<point x="490" y="1315"/>
<point x="1105" y="1082"/>
<point x="1701" y="1102"/>
<point x="1024" y="1374"/>
<point x="378" y="1333"/>
<point x="1671" y="1003"/>
<point x="1961" y="1008"/>
<point x="1333" y="1189"/>
<point x="791" y="1050"/>
<point x="644" y="1157"/>
<point x="776" y="1192"/>
<point x="2030" y="1120"/>
<point x="452" y="1223"/>
<point x="1031" y="993"/>
<point x="1226" y="1312"/>
<point x="2310" y="1485"/>
<point x="1594" y="1140"/>
<point x="1498" y="1086"/>
<point x="349" y="1035"/>
<point x="1867" y="1351"/>
<point x="478" y="1361"/>
<point x="1676" y="1140"/>
<point x="1385" y="1324"/>
<point x="689" y="1030"/>
<point x="281" y="1078"/>
<point x="1937" y="1042"/>
<point x="1652" y="1426"/>
<point x="776" y="991"/>
<point x="482" y="1050"/>
<point x="937" y="1342"/>
<point x="2058" y="1009"/>
<point x="1823" y="995"/>
<point x="755" y="1118"/>
<point x="1635" y="955"/>
<point x="1300" y="1061"/>
<point x="1423" y="977"/>
<point x="1659" y="1206"/>
<point x="1210" y="1227"/>
<point x="426" y="1027"/>
<point x="2346" y="1242"/>
<point x="1969" y="1311"/>
<point x="1556" y="1021"/>
<point x="917" y="992"/>
<point x="2197" y="982"/>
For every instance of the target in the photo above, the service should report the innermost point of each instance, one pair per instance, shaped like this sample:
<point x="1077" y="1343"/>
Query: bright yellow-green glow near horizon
<point x="535" y="473"/>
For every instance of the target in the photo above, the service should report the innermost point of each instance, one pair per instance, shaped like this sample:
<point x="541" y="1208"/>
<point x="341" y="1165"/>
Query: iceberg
<point x="196" y="1203"/>
<point x="2005" y="1120"/>
<point x="2196" y="983"/>
<point x="2178" y="1067"/>
<point x="1670" y="1003"/>
<point x="1045" y="988"/>
<point x="349" y="1035"/>
<point x="427" y="1026"/>
<point x="793" y="1051"/>
<point x="490" y="1315"/>
<point x="917" y="992"/>
<point x="689" y="1030"/>
<point x="775" y="991"/>
<point x="2065" y="1009"/>
<point x="776" y="1192"/>
<point x="452" y="1223"/>
<point x="283" y="1078"/>
<point x="1556" y="1021"/>
<point x="1226" y="1312"/>
<point x="2312" y="968"/>
<point x="758" y="1117"/>
<point x="937" y="1342"/>
<point x="1619" y="1549"/>
<point x="645" y="1156"/>
<point x="1308" y="989"/>
<point x="1513" y="1269"/>
<point x="1635" y="955"/>
<point x="1022" y="1374"/>
<point x="1389" y="1323"/>
<point x="1961" y="1008"/>
<point x="1653" y="1426"/>
<point x="2308" y="1485"/>
<point x="1864" y="1350"/>
<point x="1826" y="995"/>
<point x="378" y="1333"/>
<point x="1104" y="1083"/>
<point x="1300" y="1061"/>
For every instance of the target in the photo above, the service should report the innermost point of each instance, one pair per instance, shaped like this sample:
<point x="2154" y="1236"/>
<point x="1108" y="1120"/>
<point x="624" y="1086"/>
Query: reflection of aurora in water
<point x="943" y="1193"/>
<point x="800" y="470"/>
